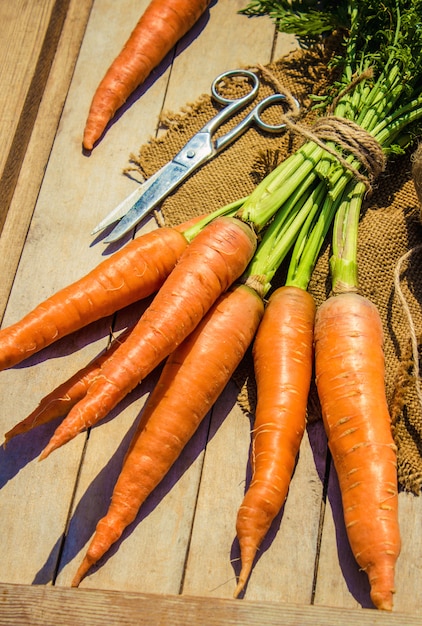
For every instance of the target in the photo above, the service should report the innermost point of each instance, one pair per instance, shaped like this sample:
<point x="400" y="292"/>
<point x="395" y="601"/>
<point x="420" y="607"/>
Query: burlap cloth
<point x="390" y="228"/>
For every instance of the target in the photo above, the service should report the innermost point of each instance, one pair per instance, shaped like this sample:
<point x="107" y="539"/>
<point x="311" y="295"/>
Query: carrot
<point x="192" y="379"/>
<point x="217" y="256"/>
<point x="130" y="274"/>
<point x="59" y="401"/>
<point x="283" y="356"/>
<point x="160" y="27"/>
<point x="349" y="362"/>
<point x="282" y="353"/>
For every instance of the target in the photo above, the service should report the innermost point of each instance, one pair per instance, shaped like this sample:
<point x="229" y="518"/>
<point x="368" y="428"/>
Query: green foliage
<point x="375" y="32"/>
<point x="378" y="87"/>
<point x="304" y="18"/>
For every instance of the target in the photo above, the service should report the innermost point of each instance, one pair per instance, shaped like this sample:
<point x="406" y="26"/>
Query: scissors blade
<point x="123" y="207"/>
<point x="170" y="177"/>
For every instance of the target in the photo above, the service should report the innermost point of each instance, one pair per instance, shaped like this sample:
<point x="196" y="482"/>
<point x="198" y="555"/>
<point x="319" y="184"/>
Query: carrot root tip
<point x="382" y="600"/>
<point x="46" y="452"/>
<point x="243" y="577"/>
<point x="239" y="588"/>
<point x="81" y="572"/>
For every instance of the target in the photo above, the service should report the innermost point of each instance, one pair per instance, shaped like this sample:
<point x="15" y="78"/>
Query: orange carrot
<point x="160" y="27"/>
<point x="283" y="356"/>
<point x="349" y="362"/>
<point x="192" y="379"/>
<point x="59" y="401"/>
<point x="217" y="256"/>
<point x="134" y="272"/>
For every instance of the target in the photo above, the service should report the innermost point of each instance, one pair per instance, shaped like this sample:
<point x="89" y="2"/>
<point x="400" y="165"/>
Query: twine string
<point x="345" y="133"/>
<point x="406" y="308"/>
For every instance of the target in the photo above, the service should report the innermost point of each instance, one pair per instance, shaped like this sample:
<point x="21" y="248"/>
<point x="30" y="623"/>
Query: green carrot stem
<point x="227" y="210"/>
<point x="390" y="125"/>
<point x="270" y="194"/>
<point x="385" y="105"/>
<point x="310" y="241"/>
<point x="280" y="236"/>
<point x="343" y="262"/>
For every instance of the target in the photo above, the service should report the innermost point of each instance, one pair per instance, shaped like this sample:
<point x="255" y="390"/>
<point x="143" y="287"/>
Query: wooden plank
<point x="213" y="54"/>
<point x="211" y="563"/>
<point x="21" y="494"/>
<point x="213" y="557"/>
<point x="409" y="563"/>
<point x="107" y="443"/>
<point x="29" y="54"/>
<point x="339" y="581"/>
<point x="37" y="606"/>
<point x="57" y="251"/>
<point x="291" y="543"/>
<point x="24" y="27"/>
<point x="34" y="161"/>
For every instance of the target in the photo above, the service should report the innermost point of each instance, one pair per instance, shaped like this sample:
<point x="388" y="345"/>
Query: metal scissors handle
<point x="254" y="116"/>
<point x="199" y="149"/>
<point x="233" y="105"/>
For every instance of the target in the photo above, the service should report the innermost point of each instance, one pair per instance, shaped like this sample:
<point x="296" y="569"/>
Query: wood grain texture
<point x="46" y="28"/>
<point x="28" y="165"/>
<point x="37" y="606"/>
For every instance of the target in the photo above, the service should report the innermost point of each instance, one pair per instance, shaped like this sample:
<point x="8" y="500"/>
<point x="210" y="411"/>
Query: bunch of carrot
<point x="220" y="328"/>
<point x="380" y="92"/>
<point x="221" y="332"/>
<point x="160" y="27"/>
<point x="220" y="276"/>
<point x="185" y="313"/>
<point x="193" y="315"/>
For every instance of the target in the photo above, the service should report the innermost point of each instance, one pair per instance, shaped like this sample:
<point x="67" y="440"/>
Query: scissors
<point x="198" y="150"/>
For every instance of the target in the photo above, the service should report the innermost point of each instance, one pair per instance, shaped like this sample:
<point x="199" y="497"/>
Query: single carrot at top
<point x="350" y="370"/>
<point x="216" y="257"/>
<point x="59" y="401"/>
<point x="160" y="27"/>
<point x="135" y="272"/>
<point x="283" y="359"/>
<point x="192" y="379"/>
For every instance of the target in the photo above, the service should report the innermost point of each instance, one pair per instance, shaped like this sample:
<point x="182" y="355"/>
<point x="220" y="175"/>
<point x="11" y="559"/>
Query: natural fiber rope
<point x="291" y="102"/>
<point x="354" y="139"/>
<point x="413" y="336"/>
<point x="368" y="73"/>
<point x="344" y="132"/>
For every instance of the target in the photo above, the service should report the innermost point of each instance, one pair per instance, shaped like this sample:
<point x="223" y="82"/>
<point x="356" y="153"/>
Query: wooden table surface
<point x="177" y="563"/>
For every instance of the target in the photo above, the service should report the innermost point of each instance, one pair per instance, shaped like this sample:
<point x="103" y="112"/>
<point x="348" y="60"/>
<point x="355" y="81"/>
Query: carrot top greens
<point x="370" y="113"/>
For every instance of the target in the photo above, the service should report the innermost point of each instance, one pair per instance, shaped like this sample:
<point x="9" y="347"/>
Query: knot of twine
<point x="343" y="132"/>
